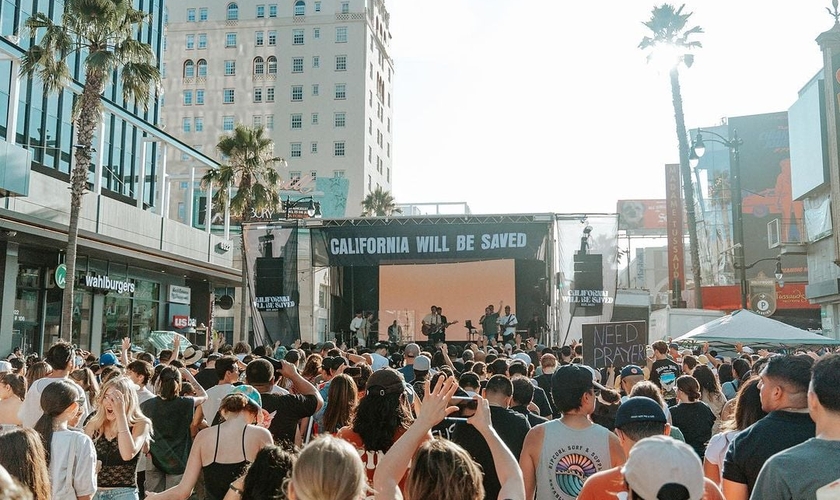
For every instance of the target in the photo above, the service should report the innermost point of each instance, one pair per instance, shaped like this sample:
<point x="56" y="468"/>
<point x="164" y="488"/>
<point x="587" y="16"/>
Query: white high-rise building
<point x="316" y="74"/>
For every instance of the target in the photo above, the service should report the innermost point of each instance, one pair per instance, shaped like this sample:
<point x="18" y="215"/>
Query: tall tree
<point x="669" y="34"/>
<point x="250" y="170"/>
<point x="379" y="203"/>
<point x="102" y="33"/>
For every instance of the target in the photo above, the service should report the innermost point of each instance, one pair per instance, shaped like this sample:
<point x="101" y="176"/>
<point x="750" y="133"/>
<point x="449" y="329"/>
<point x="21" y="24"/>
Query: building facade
<point x="137" y="270"/>
<point x="317" y="75"/>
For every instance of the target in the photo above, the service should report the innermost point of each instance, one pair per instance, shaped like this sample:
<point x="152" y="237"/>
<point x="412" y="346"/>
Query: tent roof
<point x="753" y="329"/>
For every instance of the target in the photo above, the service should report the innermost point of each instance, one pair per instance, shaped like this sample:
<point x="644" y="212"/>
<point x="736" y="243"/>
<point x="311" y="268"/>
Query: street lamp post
<point x="734" y="144"/>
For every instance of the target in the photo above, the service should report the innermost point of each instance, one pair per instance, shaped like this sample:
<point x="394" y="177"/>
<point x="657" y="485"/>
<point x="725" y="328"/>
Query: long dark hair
<point x="341" y="402"/>
<point x="23" y="455"/>
<point x="16" y="383"/>
<point x="748" y="405"/>
<point x="268" y="473"/>
<point x="56" y="398"/>
<point x="706" y="378"/>
<point x="378" y="418"/>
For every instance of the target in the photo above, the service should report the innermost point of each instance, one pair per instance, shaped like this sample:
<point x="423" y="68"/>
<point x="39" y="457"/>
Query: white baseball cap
<point x="661" y="460"/>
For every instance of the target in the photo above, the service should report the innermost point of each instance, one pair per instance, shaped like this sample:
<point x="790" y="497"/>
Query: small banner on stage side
<point x="618" y="344"/>
<point x="374" y="245"/>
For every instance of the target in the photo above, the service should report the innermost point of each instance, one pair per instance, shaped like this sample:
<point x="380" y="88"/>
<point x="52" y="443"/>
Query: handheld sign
<point x="618" y="344"/>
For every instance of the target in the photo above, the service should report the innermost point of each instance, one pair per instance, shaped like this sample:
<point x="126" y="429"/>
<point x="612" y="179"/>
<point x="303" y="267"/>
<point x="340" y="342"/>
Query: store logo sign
<point x="61" y="276"/>
<point x="182" y="321"/>
<point x="106" y="283"/>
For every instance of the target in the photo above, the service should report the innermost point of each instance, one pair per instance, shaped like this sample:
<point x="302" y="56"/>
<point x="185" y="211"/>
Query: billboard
<point x="643" y="217"/>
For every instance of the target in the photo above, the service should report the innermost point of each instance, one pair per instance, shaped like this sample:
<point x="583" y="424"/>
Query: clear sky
<point x="518" y="106"/>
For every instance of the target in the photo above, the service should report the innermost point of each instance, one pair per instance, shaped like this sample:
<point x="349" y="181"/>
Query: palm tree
<point x="102" y="33"/>
<point x="379" y="203"/>
<point x="668" y="27"/>
<point x="250" y="169"/>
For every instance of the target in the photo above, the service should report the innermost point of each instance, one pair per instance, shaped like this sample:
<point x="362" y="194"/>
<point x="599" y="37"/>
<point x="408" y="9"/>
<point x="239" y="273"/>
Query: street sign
<point x="61" y="276"/>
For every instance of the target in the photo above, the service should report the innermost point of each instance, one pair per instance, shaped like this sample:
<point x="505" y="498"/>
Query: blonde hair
<point x="96" y="425"/>
<point x="328" y="468"/>
<point x="443" y="470"/>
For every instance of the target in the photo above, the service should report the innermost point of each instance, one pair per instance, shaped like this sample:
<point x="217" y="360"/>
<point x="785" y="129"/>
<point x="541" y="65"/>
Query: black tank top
<point x="218" y="476"/>
<point x="115" y="472"/>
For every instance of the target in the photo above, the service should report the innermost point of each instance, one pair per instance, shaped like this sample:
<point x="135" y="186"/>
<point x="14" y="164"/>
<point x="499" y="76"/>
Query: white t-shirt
<point x="717" y="448"/>
<point x="356" y="323"/>
<point x="215" y="395"/>
<point x="72" y="465"/>
<point x="509" y="322"/>
<point x="30" y="411"/>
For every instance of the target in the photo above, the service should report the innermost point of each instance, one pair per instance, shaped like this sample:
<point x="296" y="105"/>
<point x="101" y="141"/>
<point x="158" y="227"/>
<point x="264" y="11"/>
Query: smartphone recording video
<point x="466" y="407"/>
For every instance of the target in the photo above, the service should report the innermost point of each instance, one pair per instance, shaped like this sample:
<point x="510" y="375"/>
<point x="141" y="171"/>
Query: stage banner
<point x="614" y="344"/>
<point x="271" y="255"/>
<point x="359" y="245"/>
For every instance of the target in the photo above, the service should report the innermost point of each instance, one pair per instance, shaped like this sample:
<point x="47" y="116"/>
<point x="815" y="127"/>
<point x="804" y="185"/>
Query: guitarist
<point x="440" y="334"/>
<point x="431" y="323"/>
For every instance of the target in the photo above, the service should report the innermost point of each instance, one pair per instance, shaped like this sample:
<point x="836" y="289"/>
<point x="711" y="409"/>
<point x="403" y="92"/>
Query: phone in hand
<point x="467" y="407"/>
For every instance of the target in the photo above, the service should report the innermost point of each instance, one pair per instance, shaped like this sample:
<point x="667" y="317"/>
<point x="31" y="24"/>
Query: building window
<point x="341" y="63"/>
<point x="388" y="150"/>
<point x="269" y="122"/>
<point x="272" y="37"/>
<point x="186" y="125"/>
<point x="272" y="10"/>
<point x="315" y="89"/>
<point x="341" y="34"/>
<point x="338" y="148"/>
<point x="190" y="15"/>
<point x="230" y="40"/>
<point x="370" y="126"/>
<point x="297" y="65"/>
<point x="313" y="174"/>
<point x="257" y="121"/>
<point x="202" y="68"/>
<point x="258" y="94"/>
<point x="199" y="97"/>
<point x="202" y="40"/>
<point x="230" y="68"/>
<point x="316" y="33"/>
<point x="260" y="38"/>
<point x="190" y="42"/>
<point x="371" y="71"/>
<point x="269" y="94"/>
<point x="389" y="125"/>
<point x="259" y="66"/>
<point x="228" y="96"/>
<point x="199" y="124"/>
<point x="341" y="91"/>
<point x="317" y="6"/>
<point x="188" y="97"/>
<point x="272" y="65"/>
<point x="313" y="147"/>
<point x="189" y="69"/>
<point x="316" y="61"/>
<point x="300" y="8"/>
<point x="338" y="174"/>
<point x="202" y="14"/>
<point x="297" y="37"/>
<point x="295" y="151"/>
<point x="297" y="93"/>
<point x="370" y="154"/>
<point x="232" y="12"/>
<point x="314" y="118"/>
<point x="340" y="119"/>
<point x="294" y="175"/>
<point x="370" y="183"/>
<point x="260" y="11"/>
<point x="345" y="7"/>
<point x="227" y="123"/>
<point x="297" y="121"/>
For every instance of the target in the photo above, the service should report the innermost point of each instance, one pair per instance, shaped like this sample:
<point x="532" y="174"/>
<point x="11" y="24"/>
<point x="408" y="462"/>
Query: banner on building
<point x="676" y="242"/>
<point x="643" y="217"/>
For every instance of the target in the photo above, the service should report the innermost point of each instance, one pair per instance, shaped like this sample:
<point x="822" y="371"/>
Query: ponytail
<point x="170" y="383"/>
<point x="56" y="398"/>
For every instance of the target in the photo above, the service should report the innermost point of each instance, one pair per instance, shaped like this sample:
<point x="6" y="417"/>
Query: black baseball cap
<point x="639" y="409"/>
<point x="575" y="378"/>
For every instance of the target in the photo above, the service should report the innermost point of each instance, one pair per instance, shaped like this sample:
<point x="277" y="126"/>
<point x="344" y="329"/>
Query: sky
<point x="520" y="106"/>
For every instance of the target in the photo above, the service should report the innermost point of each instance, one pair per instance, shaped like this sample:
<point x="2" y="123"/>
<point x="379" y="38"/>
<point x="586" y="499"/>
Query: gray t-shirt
<point x="783" y="477"/>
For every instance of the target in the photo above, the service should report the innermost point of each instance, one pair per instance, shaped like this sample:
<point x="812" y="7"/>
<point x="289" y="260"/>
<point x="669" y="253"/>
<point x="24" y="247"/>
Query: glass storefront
<point x="133" y="315"/>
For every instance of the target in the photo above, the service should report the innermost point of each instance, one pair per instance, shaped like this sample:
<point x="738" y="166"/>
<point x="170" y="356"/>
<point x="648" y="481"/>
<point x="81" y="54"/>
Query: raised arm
<point x="200" y="394"/>
<point x="507" y="469"/>
<point x="392" y="466"/>
<point x="300" y="384"/>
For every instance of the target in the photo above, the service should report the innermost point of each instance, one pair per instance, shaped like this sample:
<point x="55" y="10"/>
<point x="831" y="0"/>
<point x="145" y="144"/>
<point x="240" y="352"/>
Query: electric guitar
<point x="429" y="330"/>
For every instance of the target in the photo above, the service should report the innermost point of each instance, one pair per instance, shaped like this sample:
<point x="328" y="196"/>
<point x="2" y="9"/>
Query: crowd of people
<point x="479" y="421"/>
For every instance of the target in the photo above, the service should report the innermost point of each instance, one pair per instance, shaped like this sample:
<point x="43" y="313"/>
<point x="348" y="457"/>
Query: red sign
<point x="676" y="243"/>
<point x="180" y="321"/>
<point x="728" y="298"/>
<point x="643" y="216"/>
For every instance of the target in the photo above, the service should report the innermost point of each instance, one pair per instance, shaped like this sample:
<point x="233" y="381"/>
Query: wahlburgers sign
<point x="99" y="282"/>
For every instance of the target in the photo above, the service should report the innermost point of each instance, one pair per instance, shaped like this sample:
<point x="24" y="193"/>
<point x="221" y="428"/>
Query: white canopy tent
<point x="753" y="329"/>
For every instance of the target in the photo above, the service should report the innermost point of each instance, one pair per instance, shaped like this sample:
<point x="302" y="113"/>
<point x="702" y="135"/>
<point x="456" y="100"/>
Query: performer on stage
<point x="508" y="324"/>
<point x="489" y="324"/>
<point x="440" y="336"/>
<point x="395" y="333"/>
<point x="370" y="335"/>
<point x="431" y="323"/>
<point x="356" y="328"/>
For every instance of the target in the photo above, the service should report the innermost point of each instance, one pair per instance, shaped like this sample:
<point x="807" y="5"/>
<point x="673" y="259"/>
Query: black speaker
<point x="268" y="278"/>
<point x="589" y="284"/>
